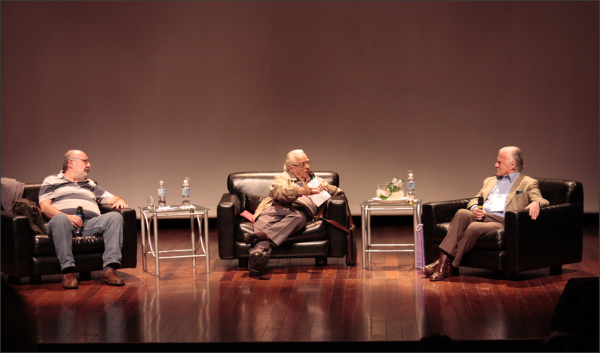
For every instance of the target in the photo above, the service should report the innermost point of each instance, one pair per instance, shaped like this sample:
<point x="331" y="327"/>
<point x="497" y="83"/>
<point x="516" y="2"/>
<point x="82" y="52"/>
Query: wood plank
<point x="296" y="301"/>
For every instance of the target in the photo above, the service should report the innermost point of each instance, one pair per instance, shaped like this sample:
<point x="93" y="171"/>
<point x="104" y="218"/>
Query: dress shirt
<point x="502" y="187"/>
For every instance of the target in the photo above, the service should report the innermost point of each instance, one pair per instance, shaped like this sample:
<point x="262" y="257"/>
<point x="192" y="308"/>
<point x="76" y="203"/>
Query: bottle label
<point x="185" y="192"/>
<point x="162" y="192"/>
<point x="410" y="185"/>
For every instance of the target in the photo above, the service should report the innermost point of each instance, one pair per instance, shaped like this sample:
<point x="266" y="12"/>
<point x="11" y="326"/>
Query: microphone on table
<point x="80" y="214"/>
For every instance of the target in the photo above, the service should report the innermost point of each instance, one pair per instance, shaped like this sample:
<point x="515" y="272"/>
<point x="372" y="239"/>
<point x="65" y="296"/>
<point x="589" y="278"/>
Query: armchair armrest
<point x="16" y="244"/>
<point x="553" y="239"/>
<point x="228" y="210"/>
<point x="434" y="213"/>
<point x="130" y="240"/>
<point x="337" y="210"/>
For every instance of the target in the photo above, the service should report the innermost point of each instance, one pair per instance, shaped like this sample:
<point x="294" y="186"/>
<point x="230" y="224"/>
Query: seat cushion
<point x="44" y="246"/>
<point x="493" y="240"/>
<point x="314" y="231"/>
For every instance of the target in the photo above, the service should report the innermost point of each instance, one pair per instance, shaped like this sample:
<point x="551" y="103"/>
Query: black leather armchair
<point x="319" y="239"/>
<point x="555" y="238"/>
<point x="25" y="254"/>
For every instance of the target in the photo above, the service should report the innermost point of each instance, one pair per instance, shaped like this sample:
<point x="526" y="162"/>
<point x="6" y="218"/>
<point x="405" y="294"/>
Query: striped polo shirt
<point x="66" y="195"/>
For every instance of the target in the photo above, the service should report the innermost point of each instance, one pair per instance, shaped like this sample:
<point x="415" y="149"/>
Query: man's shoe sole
<point x="259" y="264"/>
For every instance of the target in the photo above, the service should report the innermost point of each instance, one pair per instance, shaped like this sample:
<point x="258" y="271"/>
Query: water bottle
<point x="185" y="193"/>
<point x="162" y="194"/>
<point x="79" y="231"/>
<point x="410" y="188"/>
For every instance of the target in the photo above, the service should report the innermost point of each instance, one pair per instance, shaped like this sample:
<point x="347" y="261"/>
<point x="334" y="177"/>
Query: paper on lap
<point x="318" y="199"/>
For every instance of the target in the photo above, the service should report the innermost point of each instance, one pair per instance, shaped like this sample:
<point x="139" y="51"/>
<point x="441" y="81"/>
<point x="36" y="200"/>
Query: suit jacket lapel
<point x="516" y="186"/>
<point x="488" y="189"/>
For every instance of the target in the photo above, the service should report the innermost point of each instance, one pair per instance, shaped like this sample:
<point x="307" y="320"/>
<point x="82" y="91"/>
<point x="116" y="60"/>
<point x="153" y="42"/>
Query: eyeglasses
<point x="301" y="165"/>
<point x="85" y="161"/>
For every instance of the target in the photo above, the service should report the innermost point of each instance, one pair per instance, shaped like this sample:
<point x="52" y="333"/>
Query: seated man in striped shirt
<point x="60" y="195"/>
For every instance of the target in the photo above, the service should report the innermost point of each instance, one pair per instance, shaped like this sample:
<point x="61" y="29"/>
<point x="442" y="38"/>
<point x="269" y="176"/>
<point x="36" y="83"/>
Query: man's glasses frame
<point x="301" y="165"/>
<point x="85" y="161"/>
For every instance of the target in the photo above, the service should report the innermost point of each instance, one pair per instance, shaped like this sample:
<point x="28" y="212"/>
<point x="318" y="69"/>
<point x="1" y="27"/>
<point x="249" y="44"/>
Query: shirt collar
<point x="292" y="176"/>
<point x="511" y="177"/>
<point x="62" y="175"/>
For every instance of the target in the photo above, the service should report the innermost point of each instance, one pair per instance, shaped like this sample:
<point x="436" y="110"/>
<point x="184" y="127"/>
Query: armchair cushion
<point x="313" y="231"/>
<point x="43" y="245"/>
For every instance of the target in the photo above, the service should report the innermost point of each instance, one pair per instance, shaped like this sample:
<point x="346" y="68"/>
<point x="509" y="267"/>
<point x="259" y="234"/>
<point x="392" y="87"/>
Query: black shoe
<point x="250" y="238"/>
<point x="253" y="238"/>
<point x="257" y="262"/>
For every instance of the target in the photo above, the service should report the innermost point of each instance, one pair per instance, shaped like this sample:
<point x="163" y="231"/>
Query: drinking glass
<point x="380" y="188"/>
<point x="150" y="202"/>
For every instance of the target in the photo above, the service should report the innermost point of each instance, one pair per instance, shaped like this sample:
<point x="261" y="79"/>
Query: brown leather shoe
<point x="444" y="269"/>
<point x="431" y="268"/>
<point x="111" y="277"/>
<point x="69" y="281"/>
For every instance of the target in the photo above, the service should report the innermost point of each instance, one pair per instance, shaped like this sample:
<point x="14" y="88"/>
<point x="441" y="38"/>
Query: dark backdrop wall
<point x="165" y="90"/>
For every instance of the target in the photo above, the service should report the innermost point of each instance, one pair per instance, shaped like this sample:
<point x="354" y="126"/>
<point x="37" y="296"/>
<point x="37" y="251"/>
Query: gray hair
<point x="515" y="155"/>
<point x="290" y="159"/>
<point x="68" y="156"/>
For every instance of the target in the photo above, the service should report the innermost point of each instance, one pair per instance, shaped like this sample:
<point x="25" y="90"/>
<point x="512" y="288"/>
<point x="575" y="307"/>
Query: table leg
<point x="156" y="252"/>
<point x="143" y="221"/>
<point x="416" y="222"/>
<point x="369" y="234"/>
<point x="207" y="250"/>
<point x="364" y="237"/>
<point x="415" y="242"/>
<point x="193" y="235"/>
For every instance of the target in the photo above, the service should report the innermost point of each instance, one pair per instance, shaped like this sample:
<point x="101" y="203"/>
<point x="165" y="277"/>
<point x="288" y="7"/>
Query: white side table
<point x="387" y="205"/>
<point x="195" y="212"/>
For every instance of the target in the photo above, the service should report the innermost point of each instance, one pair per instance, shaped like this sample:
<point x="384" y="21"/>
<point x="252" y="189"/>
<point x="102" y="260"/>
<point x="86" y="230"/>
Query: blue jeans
<point x="109" y="224"/>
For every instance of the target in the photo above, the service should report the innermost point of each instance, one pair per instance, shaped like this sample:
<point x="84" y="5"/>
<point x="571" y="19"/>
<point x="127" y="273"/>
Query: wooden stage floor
<point x="296" y="301"/>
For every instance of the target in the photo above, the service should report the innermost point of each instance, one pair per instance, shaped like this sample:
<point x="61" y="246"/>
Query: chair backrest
<point x="258" y="183"/>
<point x="558" y="191"/>
<point x="32" y="192"/>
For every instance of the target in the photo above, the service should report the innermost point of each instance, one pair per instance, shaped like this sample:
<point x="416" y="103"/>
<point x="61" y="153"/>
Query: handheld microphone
<point x="311" y="175"/>
<point x="80" y="214"/>
<point x="480" y="204"/>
